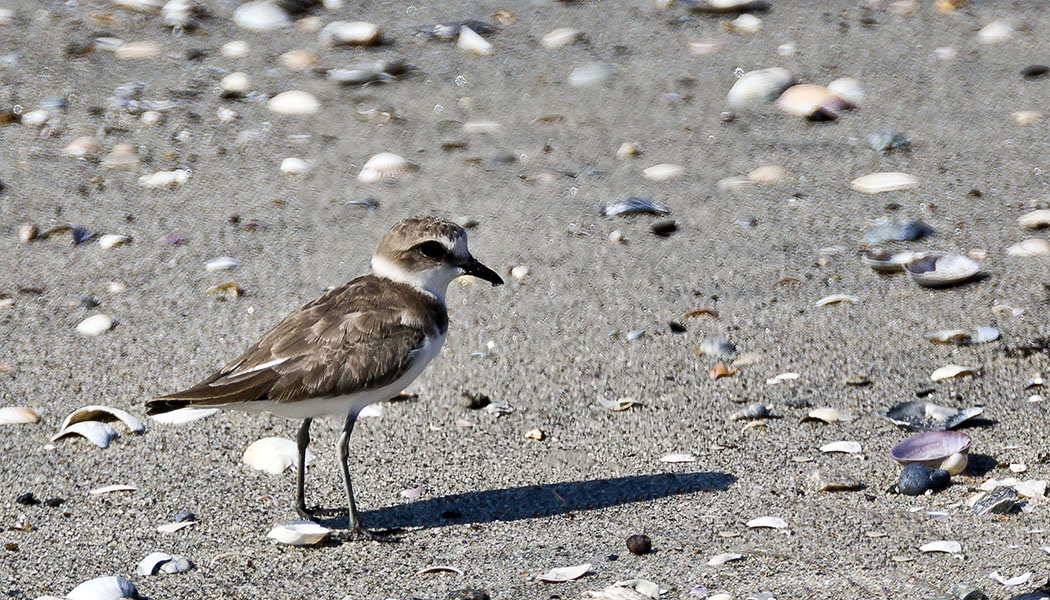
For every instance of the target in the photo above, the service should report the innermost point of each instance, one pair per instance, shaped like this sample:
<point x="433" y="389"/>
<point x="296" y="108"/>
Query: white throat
<point x="432" y="281"/>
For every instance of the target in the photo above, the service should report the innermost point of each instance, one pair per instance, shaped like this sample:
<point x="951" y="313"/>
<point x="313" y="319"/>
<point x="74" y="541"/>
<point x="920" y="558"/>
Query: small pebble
<point x="664" y="227"/>
<point x="27" y="232"/>
<point x="916" y="479"/>
<point x="639" y="544"/>
<point x="1035" y="71"/>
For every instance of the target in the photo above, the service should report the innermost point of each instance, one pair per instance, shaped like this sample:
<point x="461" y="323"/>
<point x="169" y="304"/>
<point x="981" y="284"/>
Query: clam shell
<point x="1036" y="219"/>
<point x="876" y="183"/>
<point x="590" y="74"/>
<point x="663" y="172"/>
<point x="1029" y="247"/>
<point x="295" y="166"/>
<point x="294" y="102"/>
<point x="299" y="533"/>
<point x="349" y="33"/>
<point x="273" y="455"/>
<point x="260" y="15"/>
<point x="385" y="165"/>
<point x="941" y="269"/>
<point x="470" y="42"/>
<point x="95" y="325"/>
<point x="184" y="415"/>
<point x="99" y="434"/>
<point x="936" y="449"/>
<point x="16" y="415"/>
<point x="152" y="562"/>
<point x="814" y="102"/>
<point x="848" y="89"/>
<point x="104" y="588"/>
<point x="927" y="416"/>
<point x="887" y="261"/>
<point x="563" y="574"/>
<point x="758" y="87"/>
<point x="949" y="371"/>
<point x="105" y="414"/>
<point x="563" y="36"/>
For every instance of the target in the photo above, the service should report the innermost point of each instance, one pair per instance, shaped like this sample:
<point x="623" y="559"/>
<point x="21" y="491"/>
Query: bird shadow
<point x="535" y="501"/>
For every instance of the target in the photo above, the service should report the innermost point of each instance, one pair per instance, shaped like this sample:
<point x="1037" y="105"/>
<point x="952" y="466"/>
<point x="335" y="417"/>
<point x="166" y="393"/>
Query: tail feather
<point x="211" y="395"/>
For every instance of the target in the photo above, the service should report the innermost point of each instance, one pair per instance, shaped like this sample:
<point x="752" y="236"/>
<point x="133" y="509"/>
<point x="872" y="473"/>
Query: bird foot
<point x="359" y="533"/>
<point x="317" y="511"/>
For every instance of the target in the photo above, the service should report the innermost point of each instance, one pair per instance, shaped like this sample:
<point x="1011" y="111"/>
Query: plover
<point x="360" y="343"/>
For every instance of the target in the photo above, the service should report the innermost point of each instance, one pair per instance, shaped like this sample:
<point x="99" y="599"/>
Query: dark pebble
<point x="54" y="502"/>
<point x="468" y="594"/>
<point x="916" y="478"/>
<point x="639" y="544"/>
<point x="664" y="227"/>
<point x="184" y="515"/>
<point x="27" y="499"/>
<point x="939" y="479"/>
<point x="676" y="327"/>
<point x="1034" y="71"/>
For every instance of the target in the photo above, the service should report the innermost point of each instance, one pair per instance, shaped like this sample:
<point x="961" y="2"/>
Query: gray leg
<point x="354" y="523"/>
<point x="303" y="440"/>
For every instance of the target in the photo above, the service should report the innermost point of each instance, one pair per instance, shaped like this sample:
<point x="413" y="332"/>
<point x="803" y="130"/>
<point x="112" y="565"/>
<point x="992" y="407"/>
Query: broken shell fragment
<point x="563" y="36"/>
<point x="946" y="450"/>
<point x="927" y="416"/>
<point x="961" y="337"/>
<point x="721" y="559"/>
<point x="717" y="347"/>
<point x="942" y="546"/>
<point x="27" y="232"/>
<point x="813" y="102"/>
<point x="385" y="165"/>
<point x="221" y="263"/>
<point x="617" y="405"/>
<point x="165" y="178"/>
<point x="17" y="415"/>
<point x="876" y="183"/>
<point x="470" y="42"/>
<point x="845" y="447"/>
<point x="828" y="415"/>
<point x="104" y="414"/>
<point x="111" y="240"/>
<point x="439" y="569"/>
<point x="941" y="269"/>
<point x="104" y="588"/>
<point x="110" y="489"/>
<point x="663" y="172"/>
<point x="1001" y="500"/>
<point x="152" y="562"/>
<point x="563" y="574"/>
<point x="837" y="299"/>
<point x="99" y="434"/>
<point x="753" y="411"/>
<point x="1037" y="219"/>
<point x="833" y="480"/>
<point x="634" y="205"/>
<point x="949" y="371"/>
<point x="770" y="522"/>
<point x="716" y="7"/>
<point x="679" y="457"/>
<point x="273" y="455"/>
<point x="299" y="533"/>
<point x="1030" y="247"/>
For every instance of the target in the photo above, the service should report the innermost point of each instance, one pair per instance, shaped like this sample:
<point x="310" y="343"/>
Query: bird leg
<point x="354" y="522"/>
<point x="302" y="439"/>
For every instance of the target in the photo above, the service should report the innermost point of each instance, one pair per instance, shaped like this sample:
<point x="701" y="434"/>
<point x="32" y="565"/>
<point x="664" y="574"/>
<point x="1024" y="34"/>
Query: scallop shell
<point x="95" y="325"/>
<point x="17" y="415"/>
<point x="876" y="183"/>
<point x="927" y="416"/>
<point x="299" y="533"/>
<point x="385" y="165"/>
<point x="294" y="102"/>
<point x="185" y="415"/>
<point x="941" y="269"/>
<point x="946" y="450"/>
<point x="470" y="42"/>
<point x="814" y="102"/>
<point x="563" y="574"/>
<point x="104" y="588"/>
<point x="99" y="434"/>
<point x="1036" y="219"/>
<point x="105" y="414"/>
<point x="273" y="455"/>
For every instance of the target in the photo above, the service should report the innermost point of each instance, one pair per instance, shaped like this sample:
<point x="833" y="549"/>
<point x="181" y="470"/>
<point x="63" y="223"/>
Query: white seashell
<point x="140" y="5"/>
<point x="35" y="118"/>
<point x="349" y="33"/>
<point x="152" y="562"/>
<point x="678" y="457"/>
<point x="17" y="415"/>
<point x="295" y="166"/>
<point x="298" y="60"/>
<point x="1011" y="581"/>
<point x="1034" y="220"/>
<point x="235" y="49"/>
<point x="767" y="174"/>
<point x="294" y="102"/>
<point x="123" y="156"/>
<point x="439" y="569"/>
<point x="721" y="559"/>
<point x="221" y="263"/>
<point x="1029" y="247"/>
<point x="372" y="411"/>
<point x="811" y="101"/>
<point x="151" y="118"/>
<point x="663" y="172"/>
<point x="81" y="147"/>
<point x="590" y="74"/>
<point x="627" y="150"/>
<point x="617" y="405"/>
<point x="385" y="165"/>
<point x="836" y="299"/>
<point x="299" y="533"/>
<point x="847" y="447"/>
<point x="563" y="36"/>
<point x="1018" y="467"/>
<point x="758" y="87"/>
<point x="137" y="50"/>
<point x="949" y="371"/>
<point x="185" y="415"/>
<point x="104" y="588"/>
<point x="829" y="415"/>
<point x="519" y="272"/>
<point x="1021" y="117"/>
<point x="563" y="574"/>
<point x="481" y="127"/>
<point x="472" y="43"/>
<point x="876" y="183"/>
<point x="942" y="546"/>
<point x="165" y="178"/>
<point x="414" y="493"/>
<point x="111" y="240"/>
<point x="95" y="325"/>
<point x="260" y="15"/>
<point x="771" y="522"/>
<point x="235" y="84"/>
<point x="173" y="527"/>
<point x="995" y="32"/>
<point x="848" y="89"/>
<point x="941" y="269"/>
<point x="274" y="455"/>
<point x="104" y="414"/>
<point x="746" y="23"/>
<point x="109" y="489"/>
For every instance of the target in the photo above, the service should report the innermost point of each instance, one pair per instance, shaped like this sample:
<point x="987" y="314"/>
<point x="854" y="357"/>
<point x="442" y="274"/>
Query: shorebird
<point x="360" y="343"/>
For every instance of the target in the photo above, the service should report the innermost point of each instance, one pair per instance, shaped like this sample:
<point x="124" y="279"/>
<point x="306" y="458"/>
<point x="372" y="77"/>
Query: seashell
<point x="590" y="74"/>
<point x="617" y="405"/>
<point x="995" y="32"/>
<point x="27" y="232"/>
<point x="782" y="378"/>
<point x="81" y="147"/>
<point x="905" y="230"/>
<point x="949" y="371"/>
<point x="927" y="416"/>
<point x="836" y="299"/>
<point x="753" y="411"/>
<point x="111" y="240"/>
<point x="152" y="562"/>
<point x="632" y="589"/>
<point x="372" y="411"/>
<point x="627" y="150"/>
<point x="720" y="559"/>
<point x="949" y="336"/>
<point x="770" y="522"/>
<point x="95" y="325"/>
<point x="299" y="533"/>
<point x="294" y="102"/>
<point x="716" y="7"/>
<point x="221" y="263"/>
<point x="1030" y="247"/>
<point x="1021" y="117"/>
<point x="720" y="370"/>
<point x="563" y="36"/>
<point x="758" y="87"/>
<point x="886" y="261"/>
<point x="123" y="156"/>
<point x="180" y="564"/>
<point x="349" y="33"/>
<point x="745" y="23"/>
<point x="1037" y="219"/>
<point x="916" y="479"/>
<point x="717" y="347"/>
<point x="143" y="50"/>
<point x="99" y="434"/>
<point x="165" y="178"/>
<point x="846" y="447"/>
<point x="182" y="14"/>
<point x="828" y="415"/>
<point x="813" y="102"/>
<point x="295" y="166"/>
<point x="149" y="6"/>
<point x="235" y="85"/>
<point x="679" y="457"/>
<point x="633" y="205"/>
<point x="414" y="493"/>
<point x="563" y="574"/>
<point x="1001" y="500"/>
<point x="109" y="489"/>
<point x="766" y="175"/>
<point x="104" y="414"/>
<point x="18" y="415"/>
<point x="941" y="269"/>
<point x="260" y="15"/>
<point x="439" y="569"/>
<point x="833" y="480"/>
<point x="273" y="455"/>
<point x="936" y="449"/>
<point x="104" y="588"/>
<point x="472" y="43"/>
<point x="1012" y="581"/>
<point x="984" y="334"/>
<point x="481" y="127"/>
<point x="385" y="165"/>
<point x="663" y="172"/>
<point x="848" y="89"/>
<point x="876" y="183"/>
<point x="173" y="527"/>
<point x="298" y="60"/>
<point x="185" y="415"/>
<point x="236" y="49"/>
<point x="942" y="546"/>
<point x="535" y="434"/>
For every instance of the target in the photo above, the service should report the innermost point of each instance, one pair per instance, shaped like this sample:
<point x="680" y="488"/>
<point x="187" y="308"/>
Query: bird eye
<point x="432" y="249"/>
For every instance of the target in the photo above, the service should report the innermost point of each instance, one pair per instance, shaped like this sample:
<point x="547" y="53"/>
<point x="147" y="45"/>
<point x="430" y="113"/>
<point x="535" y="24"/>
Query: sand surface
<point x="502" y="508"/>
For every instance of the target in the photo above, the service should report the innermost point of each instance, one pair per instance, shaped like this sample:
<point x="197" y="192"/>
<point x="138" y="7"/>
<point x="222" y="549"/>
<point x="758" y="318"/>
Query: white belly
<point x="341" y="405"/>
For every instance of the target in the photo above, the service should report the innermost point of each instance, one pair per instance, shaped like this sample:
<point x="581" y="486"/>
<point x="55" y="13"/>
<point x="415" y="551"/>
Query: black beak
<point x="473" y="267"/>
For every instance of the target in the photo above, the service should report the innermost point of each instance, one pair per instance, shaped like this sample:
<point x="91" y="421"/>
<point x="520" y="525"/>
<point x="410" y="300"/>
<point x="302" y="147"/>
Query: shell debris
<point x="385" y="166"/>
<point x="563" y="574"/>
<point x="470" y="42"/>
<point x="950" y="547"/>
<point x="950" y="370"/>
<point x="274" y="455"/>
<point x="18" y="415"/>
<point x="836" y="299"/>
<point x="767" y="522"/>
<point x="104" y="588"/>
<point x="294" y="102"/>
<point x="299" y="533"/>
<point x="95" y="325"/>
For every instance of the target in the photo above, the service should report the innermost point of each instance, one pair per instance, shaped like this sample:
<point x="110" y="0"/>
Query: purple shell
<point x="931" y="447"/>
